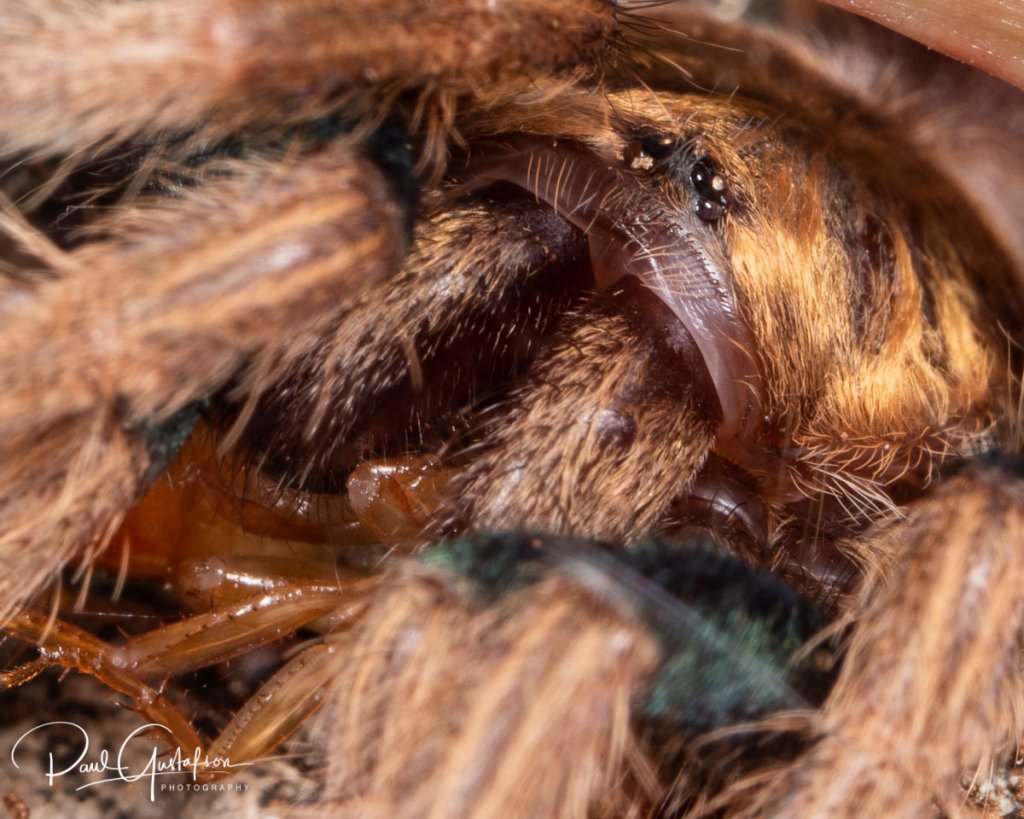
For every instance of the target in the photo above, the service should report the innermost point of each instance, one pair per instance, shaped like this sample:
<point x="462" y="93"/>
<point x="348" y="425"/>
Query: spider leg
<point x="527" y="675"/>
<point x="442" y="710"/>
<point x="932" y="686"/>
<point x="478" y="292"/>
<point x="107" y="362"/>
<point x="115" y="69"/>
<point x="601" y="439"/>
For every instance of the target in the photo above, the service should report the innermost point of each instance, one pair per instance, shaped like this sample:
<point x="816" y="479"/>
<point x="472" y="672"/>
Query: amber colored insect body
<point x="378" y="287"/>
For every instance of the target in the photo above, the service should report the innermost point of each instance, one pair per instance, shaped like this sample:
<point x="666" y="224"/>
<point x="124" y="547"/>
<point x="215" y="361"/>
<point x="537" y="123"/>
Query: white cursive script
<point x="194" y="765"/>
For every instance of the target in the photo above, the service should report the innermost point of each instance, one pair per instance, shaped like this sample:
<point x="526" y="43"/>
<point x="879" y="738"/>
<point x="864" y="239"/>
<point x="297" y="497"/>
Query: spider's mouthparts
<point x="631" y="233"/>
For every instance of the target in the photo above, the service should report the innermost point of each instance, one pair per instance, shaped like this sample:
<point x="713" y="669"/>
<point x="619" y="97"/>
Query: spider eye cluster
<point x="713" y="196"/>
<point x="709" y="187"/>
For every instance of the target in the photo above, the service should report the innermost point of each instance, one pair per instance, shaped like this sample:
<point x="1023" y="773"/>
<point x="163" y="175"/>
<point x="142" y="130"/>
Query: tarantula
<point x="628" y="408"/>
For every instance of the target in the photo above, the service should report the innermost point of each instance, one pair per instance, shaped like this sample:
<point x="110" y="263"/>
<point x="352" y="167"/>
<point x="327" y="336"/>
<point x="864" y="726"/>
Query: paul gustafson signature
<point x="177" y="764"/>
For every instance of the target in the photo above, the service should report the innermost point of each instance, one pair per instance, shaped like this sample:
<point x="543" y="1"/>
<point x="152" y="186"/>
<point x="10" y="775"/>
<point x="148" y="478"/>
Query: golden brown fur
<point x="254" y="54"/>
<point x="932" y="690"/>
<point x="587" y="448"/>
<point x="125" y="334"/>
<point x="448" y="714"/>
<point x="282" y="296"/>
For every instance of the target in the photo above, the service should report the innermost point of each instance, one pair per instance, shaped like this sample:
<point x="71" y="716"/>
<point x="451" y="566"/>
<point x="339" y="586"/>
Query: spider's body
<point x="568" y="293"/>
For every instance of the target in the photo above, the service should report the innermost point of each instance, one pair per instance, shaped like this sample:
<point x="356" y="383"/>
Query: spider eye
<point x="658" y="146"/>
<point x="713" y="196"/>
<point x="644" y="151"/>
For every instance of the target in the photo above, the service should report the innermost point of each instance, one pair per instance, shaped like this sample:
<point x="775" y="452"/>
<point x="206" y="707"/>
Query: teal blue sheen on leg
<point x="729" y="632"/>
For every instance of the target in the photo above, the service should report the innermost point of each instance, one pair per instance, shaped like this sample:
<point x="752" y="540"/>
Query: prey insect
<point x="625" y="431"/>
